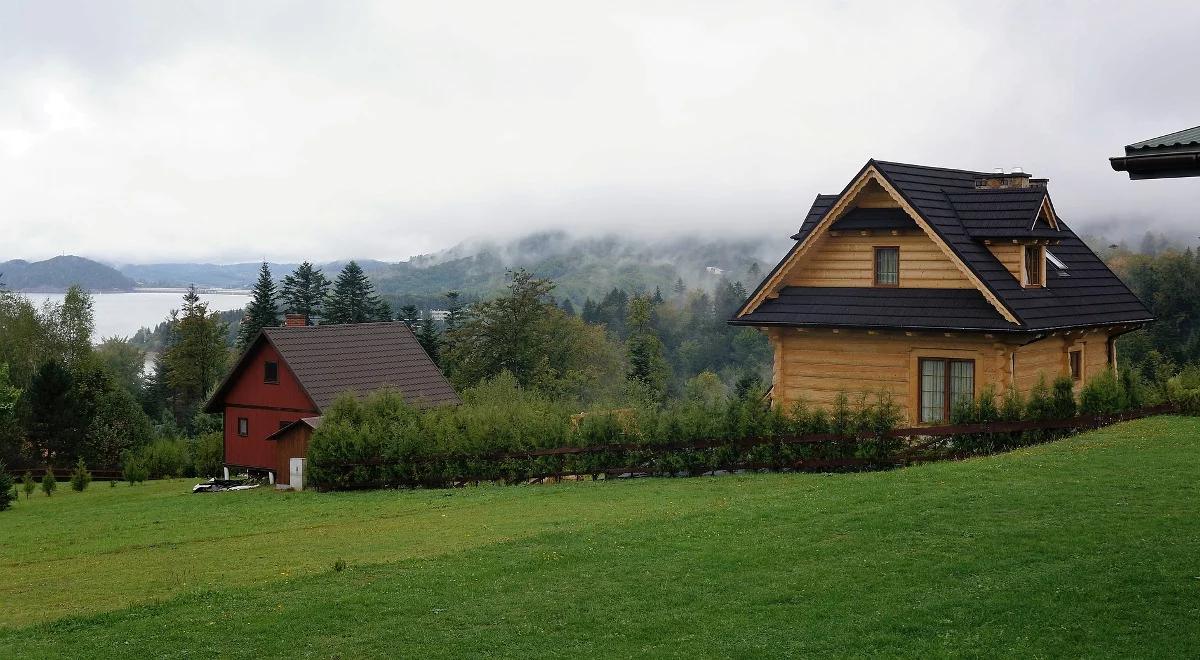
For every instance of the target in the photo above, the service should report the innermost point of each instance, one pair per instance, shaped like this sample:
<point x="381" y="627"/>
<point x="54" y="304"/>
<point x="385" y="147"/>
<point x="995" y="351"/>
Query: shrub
<point x="7" y="488"/>
<point x="49" y="483"/>
<point x="1063" y="398"/>
<point x="80" y="478"/>
<point x="1012" y="408"/>
<point x="208" y="454"/>
<point x="1039" y="405"/>
<point x="134" y="470"/>
<point x="28" y="484"/>
<point x="1103" y="395"/>
<point x="339" y="565"/>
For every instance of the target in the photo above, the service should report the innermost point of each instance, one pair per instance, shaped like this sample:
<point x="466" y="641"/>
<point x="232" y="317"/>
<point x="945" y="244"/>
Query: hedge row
<point x="504" y="433"/>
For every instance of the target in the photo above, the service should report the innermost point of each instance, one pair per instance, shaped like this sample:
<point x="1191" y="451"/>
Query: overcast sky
<point x="165" y="131"/>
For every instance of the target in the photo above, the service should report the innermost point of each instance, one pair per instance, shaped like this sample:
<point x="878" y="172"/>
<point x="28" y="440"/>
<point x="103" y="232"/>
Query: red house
<point x="294" y="372"/>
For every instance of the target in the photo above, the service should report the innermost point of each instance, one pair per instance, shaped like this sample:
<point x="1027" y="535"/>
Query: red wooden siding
<point x="266" y="406"/>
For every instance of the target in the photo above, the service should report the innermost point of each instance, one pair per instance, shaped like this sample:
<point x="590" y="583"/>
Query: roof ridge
<point x="930" y="167"/>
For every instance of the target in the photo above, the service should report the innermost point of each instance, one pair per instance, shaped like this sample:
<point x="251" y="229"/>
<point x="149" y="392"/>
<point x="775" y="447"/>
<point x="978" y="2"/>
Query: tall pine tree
<point x="197" y="357"/>
<point x="262" y="312"/>
<point x="353" y="299"/>
<point x="429" y="338"/>
<point x="304" y="292"/>
<point x="410" y="315"/>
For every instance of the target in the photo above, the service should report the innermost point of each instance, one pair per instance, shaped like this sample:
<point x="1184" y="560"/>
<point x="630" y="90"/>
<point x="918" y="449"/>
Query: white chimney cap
<point x="1017" y="169"/>
<point x="997" y="170"/>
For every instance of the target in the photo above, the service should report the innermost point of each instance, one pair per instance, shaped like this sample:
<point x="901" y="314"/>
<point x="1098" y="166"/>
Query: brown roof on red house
<point x="361" y="358"/>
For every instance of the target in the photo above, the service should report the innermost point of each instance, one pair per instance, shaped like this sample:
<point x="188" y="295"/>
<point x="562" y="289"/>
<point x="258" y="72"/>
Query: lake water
<point x="122" y="314"/>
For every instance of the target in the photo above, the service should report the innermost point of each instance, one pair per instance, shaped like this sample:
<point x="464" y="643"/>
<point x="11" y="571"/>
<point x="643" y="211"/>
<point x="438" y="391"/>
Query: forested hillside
<point x="59" y="273"/>
<point x="581" y="267"/>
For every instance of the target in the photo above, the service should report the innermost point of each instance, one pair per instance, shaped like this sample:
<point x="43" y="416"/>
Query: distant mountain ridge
<point x="59" y="273"/>
<point x="581" y="266"/>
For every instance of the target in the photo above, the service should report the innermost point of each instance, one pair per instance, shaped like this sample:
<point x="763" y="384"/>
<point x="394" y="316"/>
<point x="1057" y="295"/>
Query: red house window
<point x="243" y="426"/>
<point x="271" y="372"/>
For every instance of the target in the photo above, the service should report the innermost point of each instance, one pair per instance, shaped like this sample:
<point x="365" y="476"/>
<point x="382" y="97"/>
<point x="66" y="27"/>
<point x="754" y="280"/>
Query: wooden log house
<point x="931" y="283"/>
<point x="274" y="396"/>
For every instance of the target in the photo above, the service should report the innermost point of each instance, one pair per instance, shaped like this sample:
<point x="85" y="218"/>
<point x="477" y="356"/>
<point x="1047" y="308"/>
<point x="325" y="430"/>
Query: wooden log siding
<point x="1009" y="255"/>
<point x="818" y="365"/>
<point x="849" y="260"/>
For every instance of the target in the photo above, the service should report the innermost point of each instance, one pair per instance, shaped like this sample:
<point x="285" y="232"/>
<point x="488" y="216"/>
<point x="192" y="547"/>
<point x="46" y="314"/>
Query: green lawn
<point x="1085" y="547"/>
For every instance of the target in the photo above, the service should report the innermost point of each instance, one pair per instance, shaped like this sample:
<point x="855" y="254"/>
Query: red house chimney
<point x="295" y="320"/>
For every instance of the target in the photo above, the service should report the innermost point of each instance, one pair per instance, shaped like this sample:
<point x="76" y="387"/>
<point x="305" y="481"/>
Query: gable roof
<point x="1085" y="293"/>
<point x="329" y="360"/>
<point x="311" y="422"/>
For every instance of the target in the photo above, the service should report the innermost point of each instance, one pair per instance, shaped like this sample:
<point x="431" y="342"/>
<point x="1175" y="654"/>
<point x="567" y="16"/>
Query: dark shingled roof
<point x="329" y="360"/>
<point x="939" y="309"/>
<point x="962" y="216"/>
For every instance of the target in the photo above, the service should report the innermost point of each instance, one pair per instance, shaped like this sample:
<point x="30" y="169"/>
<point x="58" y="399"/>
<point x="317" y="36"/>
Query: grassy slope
<point x="1086" y="546"/>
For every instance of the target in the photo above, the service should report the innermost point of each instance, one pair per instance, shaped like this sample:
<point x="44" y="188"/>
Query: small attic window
<point x="1035" y="266"/>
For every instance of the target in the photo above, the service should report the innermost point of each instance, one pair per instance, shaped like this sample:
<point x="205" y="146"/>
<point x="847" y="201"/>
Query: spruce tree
<point x="80" y="478"/>
<point x="262" y="312"/>
<point x="49" y="483"/>
<point x="197" y="356"/>
<point x="454" y="311"/>
<point x="429" y="338"/>
<point x="647" y="360"/>
<point x="7" y="487"/>
<point x="410" y="316"/>
<point x="353" y="299"/>
<point x="28" y="484"/>
<point x="680" y="287"/>
<point x="304" y="292"/>
<point x="568" y="307"/>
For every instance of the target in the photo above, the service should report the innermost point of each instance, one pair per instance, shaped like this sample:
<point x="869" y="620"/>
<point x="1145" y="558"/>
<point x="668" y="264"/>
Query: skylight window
<point x="1055" y="260"/>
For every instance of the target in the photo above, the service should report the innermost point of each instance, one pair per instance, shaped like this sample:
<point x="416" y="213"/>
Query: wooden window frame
<point x="267" y="371"/>
<point x="1075" y="363"/>
<point x="947" y="399"/>
<point x="243" y="426"/>
<point x="875" y="266"/>
<point x="1026" y="280"/>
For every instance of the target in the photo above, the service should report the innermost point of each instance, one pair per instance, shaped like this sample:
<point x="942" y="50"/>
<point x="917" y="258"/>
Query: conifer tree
<point x="454" y="311"/>
<point x="7" y="487"/>
<point x="680" y="287"/>
<point x="49" y="484"/>
<point x="304" y="292"/>
<point x="429" y="338"/>
<point x="568" y="307"/>
<point x="28" y="484"/>
<point x="262" y="312"/>
<point x="197" y="356"/>
<point x="80" y="478"/>
<point x="410" y="316"/>
<point x="647" y="360"/>
<point x="353" y="299"/>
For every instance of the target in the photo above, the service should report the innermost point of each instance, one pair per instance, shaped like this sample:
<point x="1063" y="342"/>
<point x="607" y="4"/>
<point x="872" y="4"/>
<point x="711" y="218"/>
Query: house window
<point x="887" y="266"/>
<point x="1075" y="358"/>
<point x="944" y="382"/>
<point x="271" y="372"/>
<point x="1034" y="269"/>
<point x="243" y="426"/>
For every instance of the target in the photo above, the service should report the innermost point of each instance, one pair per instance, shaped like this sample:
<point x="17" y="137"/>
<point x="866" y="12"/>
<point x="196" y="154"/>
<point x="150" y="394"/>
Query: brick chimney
<point x="295" y="320"/>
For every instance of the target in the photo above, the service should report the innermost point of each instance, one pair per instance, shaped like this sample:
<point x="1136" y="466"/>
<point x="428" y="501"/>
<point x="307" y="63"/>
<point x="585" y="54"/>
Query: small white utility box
<point x="296" y="466"/>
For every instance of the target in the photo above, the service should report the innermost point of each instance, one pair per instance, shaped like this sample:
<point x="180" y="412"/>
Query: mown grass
<point x="1086" y="546"/>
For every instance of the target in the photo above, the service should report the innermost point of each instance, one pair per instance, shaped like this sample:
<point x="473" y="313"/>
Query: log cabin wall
<point x="849" y="260"/>
<point x="815" y="365"/>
